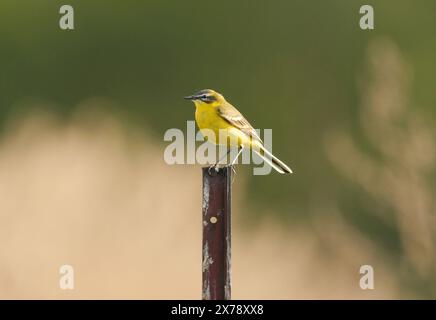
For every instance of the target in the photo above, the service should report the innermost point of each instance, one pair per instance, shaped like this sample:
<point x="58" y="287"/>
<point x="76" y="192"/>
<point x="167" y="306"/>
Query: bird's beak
<point x="189" y="98"/>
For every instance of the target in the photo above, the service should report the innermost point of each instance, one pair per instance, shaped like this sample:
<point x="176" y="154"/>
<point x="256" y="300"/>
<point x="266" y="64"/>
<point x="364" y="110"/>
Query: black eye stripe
<point x="207" y="98"/>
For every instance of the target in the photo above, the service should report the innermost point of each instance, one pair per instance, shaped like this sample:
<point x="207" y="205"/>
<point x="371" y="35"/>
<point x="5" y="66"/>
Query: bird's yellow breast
<point x="208" y="118"/>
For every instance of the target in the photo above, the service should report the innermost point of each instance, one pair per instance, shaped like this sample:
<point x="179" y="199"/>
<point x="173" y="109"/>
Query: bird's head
<point x="206" y="97"/>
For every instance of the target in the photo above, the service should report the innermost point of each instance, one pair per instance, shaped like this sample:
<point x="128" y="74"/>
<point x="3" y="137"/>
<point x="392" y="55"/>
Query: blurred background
<point x="82" y="118"/>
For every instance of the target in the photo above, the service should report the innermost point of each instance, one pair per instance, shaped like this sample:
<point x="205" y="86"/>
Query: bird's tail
<point x="273" y="161"/>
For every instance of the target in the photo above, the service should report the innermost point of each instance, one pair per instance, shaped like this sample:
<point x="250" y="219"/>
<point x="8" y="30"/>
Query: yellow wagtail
<point x="214" y="113"/>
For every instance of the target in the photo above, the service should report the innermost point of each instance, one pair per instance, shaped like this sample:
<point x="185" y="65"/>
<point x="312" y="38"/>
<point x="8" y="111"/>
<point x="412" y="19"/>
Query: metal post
<point x="217" y="197"/>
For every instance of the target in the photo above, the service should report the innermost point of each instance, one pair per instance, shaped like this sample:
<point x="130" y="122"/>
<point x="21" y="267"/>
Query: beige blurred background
<point x="103" y="201"/>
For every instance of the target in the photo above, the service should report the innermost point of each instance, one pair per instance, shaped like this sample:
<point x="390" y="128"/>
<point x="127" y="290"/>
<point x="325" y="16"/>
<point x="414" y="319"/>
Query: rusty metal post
<point x="216" y="216"/>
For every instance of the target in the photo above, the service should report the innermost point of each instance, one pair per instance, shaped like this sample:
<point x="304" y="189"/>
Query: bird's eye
<point x="204" y="97"/>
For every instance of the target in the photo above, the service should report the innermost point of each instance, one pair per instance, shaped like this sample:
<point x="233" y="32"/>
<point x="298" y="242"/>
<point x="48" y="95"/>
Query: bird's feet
<point x="213" y="169"/>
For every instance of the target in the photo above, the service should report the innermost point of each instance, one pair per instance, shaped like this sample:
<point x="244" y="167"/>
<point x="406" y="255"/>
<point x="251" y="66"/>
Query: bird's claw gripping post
<point x="214" y="171"/>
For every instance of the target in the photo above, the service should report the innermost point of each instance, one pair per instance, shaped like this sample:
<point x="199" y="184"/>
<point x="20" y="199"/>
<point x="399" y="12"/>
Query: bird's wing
<point x="235" y="118"/>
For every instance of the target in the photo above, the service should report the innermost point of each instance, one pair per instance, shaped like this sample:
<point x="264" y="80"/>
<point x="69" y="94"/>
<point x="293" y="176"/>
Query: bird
<point x="213" y="112"/>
